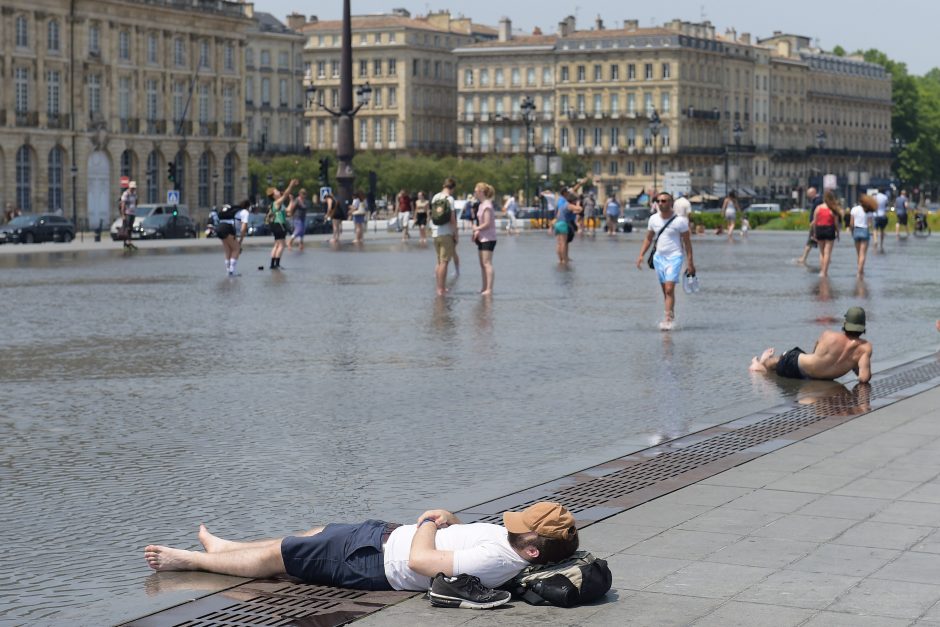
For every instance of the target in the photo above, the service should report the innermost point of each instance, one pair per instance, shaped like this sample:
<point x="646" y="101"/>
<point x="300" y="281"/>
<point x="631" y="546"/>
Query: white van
<point x="764" y="207"/>
<point x="143" y="212"/>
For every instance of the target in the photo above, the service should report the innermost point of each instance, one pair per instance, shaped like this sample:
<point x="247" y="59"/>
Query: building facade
<point x="274" y="90"/>
<point x="408" y="63"/>
<point x="733" y="113"/>
<point x="114" y="88"/>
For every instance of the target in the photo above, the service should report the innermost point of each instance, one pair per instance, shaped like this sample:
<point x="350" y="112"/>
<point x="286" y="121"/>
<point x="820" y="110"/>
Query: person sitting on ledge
<point x="833" y="356"/>
<point x="377" y="555"/>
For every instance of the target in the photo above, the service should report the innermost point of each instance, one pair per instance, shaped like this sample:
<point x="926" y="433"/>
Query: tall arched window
<point x="24" y="178"/>
<point x="52" y="36"/>
<point x="228" y="179"/>
<point x="55" y="179"/>
<point x="153" y="172"/>
<point x="127" y="164"/>
<point x="204" y="180"/>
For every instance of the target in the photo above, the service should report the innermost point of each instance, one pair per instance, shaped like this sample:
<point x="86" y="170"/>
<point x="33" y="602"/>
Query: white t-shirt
<point x="670" y="242"/>
<point x="682" y="207"/>
<point x="241" y="217"/>
<point x="480" y="549"/>
<point x="442" y="229"/>
<point x="859" y="217"/>
<point x="882" y="204"/>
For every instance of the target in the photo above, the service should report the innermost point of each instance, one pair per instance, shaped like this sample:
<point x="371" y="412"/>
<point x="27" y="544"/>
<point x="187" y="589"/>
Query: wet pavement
<point x="147" y="393"/>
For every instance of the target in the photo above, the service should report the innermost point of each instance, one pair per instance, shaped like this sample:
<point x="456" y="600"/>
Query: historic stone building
<point x="274" y="90"/>
<point x="408" y="63"/>
<point x="733" y="113"/>
<point x="110" y="88"/>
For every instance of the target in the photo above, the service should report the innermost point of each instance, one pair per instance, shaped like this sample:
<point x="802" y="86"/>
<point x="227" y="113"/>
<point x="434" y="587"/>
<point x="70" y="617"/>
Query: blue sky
<point x="907" y="32"/>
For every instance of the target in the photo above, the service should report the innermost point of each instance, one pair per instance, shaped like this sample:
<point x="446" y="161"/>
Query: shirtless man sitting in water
<point x="834" y="355"/>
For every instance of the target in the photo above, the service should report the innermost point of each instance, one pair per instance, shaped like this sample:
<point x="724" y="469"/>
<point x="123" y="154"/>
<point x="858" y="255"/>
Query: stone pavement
<point x="838" y="529"/>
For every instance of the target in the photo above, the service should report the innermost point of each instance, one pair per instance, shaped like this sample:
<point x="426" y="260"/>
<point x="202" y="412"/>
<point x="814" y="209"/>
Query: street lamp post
<point x="215" y="189"/>
<point x="528" y="109"/>
<point x="74" y="172"/>
<point x="738" y="132"/>
<point x="655" y="125"/>
<point x="821" y="138"/>
<point x="344" y="140"/>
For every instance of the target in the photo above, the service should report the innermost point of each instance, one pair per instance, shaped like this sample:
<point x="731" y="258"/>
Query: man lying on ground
<point x="377" y="555"/>
<point x="834" y="355"/>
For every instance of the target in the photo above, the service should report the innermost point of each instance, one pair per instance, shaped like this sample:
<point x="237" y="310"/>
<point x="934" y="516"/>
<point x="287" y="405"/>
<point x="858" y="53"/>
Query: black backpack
<point x="580" y="579"/>
<point x="227" y="212"/>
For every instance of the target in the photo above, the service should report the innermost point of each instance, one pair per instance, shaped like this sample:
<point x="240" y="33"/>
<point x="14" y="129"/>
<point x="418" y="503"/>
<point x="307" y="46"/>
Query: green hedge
<point x="790" y="221"/>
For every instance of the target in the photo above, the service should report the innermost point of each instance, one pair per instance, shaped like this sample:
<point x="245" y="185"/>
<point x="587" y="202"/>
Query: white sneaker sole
<point x="440" y="600"/>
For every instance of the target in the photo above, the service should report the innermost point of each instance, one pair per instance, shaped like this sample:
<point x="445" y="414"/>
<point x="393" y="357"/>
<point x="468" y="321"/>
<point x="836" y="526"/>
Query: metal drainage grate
<point x="605" y="490"/>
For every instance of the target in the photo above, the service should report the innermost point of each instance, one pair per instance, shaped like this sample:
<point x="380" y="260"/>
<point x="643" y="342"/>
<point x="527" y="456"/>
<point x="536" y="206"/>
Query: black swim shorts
<point x="224" y="229"/>
<point x="825" y="232"/>
<point x="348" y="556"/>
<point x="277" y="229"/>
<point x="902" y="218"/>
<point x="789" y="364"/>
<point x="490" y="245"/>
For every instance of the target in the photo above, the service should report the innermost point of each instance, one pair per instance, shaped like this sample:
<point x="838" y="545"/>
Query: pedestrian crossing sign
<point x="173" y="197"/>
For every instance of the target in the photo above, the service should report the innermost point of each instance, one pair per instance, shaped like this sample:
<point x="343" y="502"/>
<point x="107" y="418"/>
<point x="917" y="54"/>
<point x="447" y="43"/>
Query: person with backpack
<point x="378" y="555"/>
<point x="228" y="217"/>
<point x="444" y="227"/>
<point x="667" y="234"/>
<point x="281" y="204"/>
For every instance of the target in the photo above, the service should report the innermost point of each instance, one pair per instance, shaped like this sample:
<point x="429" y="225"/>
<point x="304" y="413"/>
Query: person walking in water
<point x="404" y="213"/>
<point x="860" y="220"/>
<point x="668" y="234"/>
<point x="834" y="355"/>
<point x="445" y="234"/>
<point x="881" y="219"/>
<point x="825" y="230"/>
<point x="812" y="199"/>
<point x="730" y="209"/>
<point x="128" y="212"/>
<point x="900" y="213"/>
<point x="335" y="215"/>
<point x="299" y="220"/>
<point x="281" y="203"/>
<point x="422" y="205"/>
<point x="484" y="234"/>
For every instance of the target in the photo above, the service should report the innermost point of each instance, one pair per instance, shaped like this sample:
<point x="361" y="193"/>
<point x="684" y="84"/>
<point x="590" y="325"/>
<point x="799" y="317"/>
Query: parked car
<point x="764" y="206"/>
<point x="41" y="227"/>
<point x="634" y="219"/>
<point x="167" y="226"/>
<point x="144" y="212"/>
<point x="256" y="225"/>
<point x="317" y="223"/>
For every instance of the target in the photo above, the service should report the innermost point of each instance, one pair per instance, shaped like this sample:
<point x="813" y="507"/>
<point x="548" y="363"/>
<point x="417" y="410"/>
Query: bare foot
<point x="212" y="543"/>
<point x="486" y="293"/>
<point x="938" y="325"/>
<point x="767" y="354"/>
<point x="164" y="558"/>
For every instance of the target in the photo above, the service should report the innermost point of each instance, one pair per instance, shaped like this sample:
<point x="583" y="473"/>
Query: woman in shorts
<point x="484" y="234"/>
<point x="336" y="215"/>
<point x="225" y="231"/>
<point x="730" y="208"/>
<point x="860" y="221"/>
<point x="564" y="228"/>
<point x="422" y="206"/>
<point x="281" y="204"/>
<point x="359" y="216"/>
<point x="824" y="229"/>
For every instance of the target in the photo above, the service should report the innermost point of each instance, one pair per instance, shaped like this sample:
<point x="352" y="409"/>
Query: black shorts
<point x="902" y="219"/>
<point x="225" y="230"/>
<point x="789" y="364"/>
<point x="348" y="556"/>
<point x="129" y="223"/>
<point x="825" y="232"/>
<point x="277" y="229"/>
<point x="421" y="219"/>
<point x="491" y="245"/>
<point x="881" y="222"/>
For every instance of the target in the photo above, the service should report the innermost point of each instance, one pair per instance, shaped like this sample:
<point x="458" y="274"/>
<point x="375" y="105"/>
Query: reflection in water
<point x="822" y="290"/>
<point x="837" y="400"/>
<point x="483" y="317"/>
<point x="442" y="318"/>
<point x="861" y="288"/>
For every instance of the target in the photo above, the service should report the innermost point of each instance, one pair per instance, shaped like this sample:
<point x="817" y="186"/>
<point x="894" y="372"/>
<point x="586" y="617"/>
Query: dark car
<point x="634" y="219"/>
<point x="257" y="226"/>
<point x="167" y="226"/>
<point x="317" y="223"/>
<point x="42" y="227"/>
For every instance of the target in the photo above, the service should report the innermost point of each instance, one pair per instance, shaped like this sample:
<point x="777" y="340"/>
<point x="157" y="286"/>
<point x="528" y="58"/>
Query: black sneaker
<point x="464" y="591"/>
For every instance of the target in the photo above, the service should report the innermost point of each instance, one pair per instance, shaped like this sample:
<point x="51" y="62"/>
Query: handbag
<point x="649" y="260"/>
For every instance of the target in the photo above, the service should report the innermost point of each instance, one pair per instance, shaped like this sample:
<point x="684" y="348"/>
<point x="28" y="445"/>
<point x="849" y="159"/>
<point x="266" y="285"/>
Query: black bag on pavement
<point x="580" y="579"/>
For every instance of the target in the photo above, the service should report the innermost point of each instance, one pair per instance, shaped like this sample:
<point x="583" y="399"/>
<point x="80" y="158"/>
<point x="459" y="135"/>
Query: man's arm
<point x="453" y="222"/>
<point x="646" y="244"/>
<point x="863" y="370"/>
<point x="687" y="243"/>
<point x="424" y="557"/>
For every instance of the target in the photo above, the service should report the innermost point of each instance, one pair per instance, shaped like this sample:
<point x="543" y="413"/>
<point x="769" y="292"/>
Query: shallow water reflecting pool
<point x="146" y="394"/>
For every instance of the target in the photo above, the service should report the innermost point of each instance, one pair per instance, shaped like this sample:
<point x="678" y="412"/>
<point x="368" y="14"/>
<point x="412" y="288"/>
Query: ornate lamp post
<point x="655" y="125"/>
<point x="821" y="138"/>
<point x="528" y="111"/>
<point x="344" y="141"/>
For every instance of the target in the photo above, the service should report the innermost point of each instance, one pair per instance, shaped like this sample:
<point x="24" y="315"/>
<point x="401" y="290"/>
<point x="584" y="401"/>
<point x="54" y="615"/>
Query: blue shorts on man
<point x="668" y="268"/>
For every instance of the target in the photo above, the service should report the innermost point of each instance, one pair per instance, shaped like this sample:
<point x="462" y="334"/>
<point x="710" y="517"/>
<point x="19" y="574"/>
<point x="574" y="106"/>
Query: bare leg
<point x="486" y="263"/>
<point x="440" y="276"/>
<point x="261" y="561"/>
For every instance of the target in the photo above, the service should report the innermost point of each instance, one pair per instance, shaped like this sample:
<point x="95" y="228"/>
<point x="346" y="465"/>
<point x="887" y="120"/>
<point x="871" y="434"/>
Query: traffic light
<point x="171" y="171"/>
<point x="324" y="171"/>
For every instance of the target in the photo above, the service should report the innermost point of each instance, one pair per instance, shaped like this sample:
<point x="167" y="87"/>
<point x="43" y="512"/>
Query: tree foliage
<point x="413" y="173"/>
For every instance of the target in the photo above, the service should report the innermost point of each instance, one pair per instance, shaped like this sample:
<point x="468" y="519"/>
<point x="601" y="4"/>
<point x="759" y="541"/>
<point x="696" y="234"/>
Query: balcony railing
<point x="27" y="118"/>
<point x="232" y="129"/>
<point x="156" y="127"/>
<point x="130" y="125"/>
<point x="209" y="129"/>
<point x="56" y="120"/>
<point x="3" y="117"/>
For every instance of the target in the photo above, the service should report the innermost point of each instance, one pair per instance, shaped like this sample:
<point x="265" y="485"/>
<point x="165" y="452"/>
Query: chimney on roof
<point x="536" y="31"/>
<point x="295" y="21"/>
<point x="745" y="38"/>
<point x="777" y="33"/>
<point x="313" y="19"/>
<point x="566" y="26"/>
<point x="505" y="29"/>
<point x="631" y="25"/>
<point x="731" y="34"/>
<point x="598" y="23"/>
